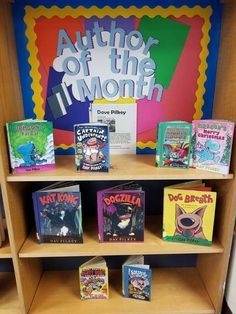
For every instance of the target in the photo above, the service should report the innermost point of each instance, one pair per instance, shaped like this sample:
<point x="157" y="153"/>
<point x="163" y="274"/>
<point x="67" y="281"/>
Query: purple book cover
<point x="212" y="144"/>
<point x="121" y="214"/>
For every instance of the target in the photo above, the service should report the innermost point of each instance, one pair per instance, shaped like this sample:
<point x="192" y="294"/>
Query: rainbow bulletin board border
<point x="25" y="13"/>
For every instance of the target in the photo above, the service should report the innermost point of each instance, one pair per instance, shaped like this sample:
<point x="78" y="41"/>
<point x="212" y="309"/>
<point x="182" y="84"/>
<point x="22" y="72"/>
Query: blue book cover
<point x="92" y="147"/>
<point x="58" y="216"/>
<point x="137" y="281"/>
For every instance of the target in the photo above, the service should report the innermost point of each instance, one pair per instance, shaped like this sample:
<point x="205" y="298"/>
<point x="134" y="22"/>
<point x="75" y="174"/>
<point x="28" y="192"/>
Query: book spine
<point x="37" y="216"/>
<point x="100" y="215"/>
<point x="8" y="128"/>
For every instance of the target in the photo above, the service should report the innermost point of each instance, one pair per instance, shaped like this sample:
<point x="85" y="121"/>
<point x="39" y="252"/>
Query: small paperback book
<point x="93" y="276"/>
<point x="173" y="144"/>
<point x="31" y="145"/>
<point x="92" y="147"/>
<point x="212" y="145"/>
<point x="121" y="213"/>
<point x="188" y="213"/>
<point x="122" y="121"/>
<point x="57" y="210"/>
<point x="136" y="279"/>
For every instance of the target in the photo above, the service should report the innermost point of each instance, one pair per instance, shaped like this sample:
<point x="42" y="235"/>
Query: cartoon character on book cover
<point x="139" y="283"/>
<point x="31" y="145"/>
<point x="189" y="216"/>
<point x="93" y="283"/>
<point x="212" y="143"/>
<point x="59" y="217"/>
<point x="123" y="216"/>
<point x="92" y="148"/>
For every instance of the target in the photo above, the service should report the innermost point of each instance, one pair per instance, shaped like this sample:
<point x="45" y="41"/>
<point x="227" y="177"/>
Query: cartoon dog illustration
<point x="189" y="224"/>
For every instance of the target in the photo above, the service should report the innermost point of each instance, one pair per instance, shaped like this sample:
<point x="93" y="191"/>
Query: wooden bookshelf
<point x="173" y="291"/>
<point x="123" y="167"/>
<point x="9" y="303"/>
<point x="153" y="244"/>
<point x="5" y="249"/>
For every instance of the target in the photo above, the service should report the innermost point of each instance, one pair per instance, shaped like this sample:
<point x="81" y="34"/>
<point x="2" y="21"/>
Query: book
<point x="58" y="216"/>
<point x="212" y="144"/>
<point x="121" y="213"/>
<point x="31" y="145"/>
<point x="122" y="121"/>
<point x="173" y="144"/>
<point x="93" y="277"/>
<point x="136" y="279"/>
<point x="188" y="213"/>
<point x="92" y="147"/>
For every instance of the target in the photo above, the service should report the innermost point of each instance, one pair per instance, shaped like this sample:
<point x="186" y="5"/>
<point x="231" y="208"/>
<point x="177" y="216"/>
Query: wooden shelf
<point x="175" y="290"/>
<point x="5" y="250"/>
<point x="9" y="303"/>
<point x="153" y="244"/>
<point x="123" y="167"/>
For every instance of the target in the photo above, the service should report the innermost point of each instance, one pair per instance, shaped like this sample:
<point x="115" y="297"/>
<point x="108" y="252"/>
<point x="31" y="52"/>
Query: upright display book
<point x="92" y="147"/>
<point x="212" y="145"/>
<point x="121" y="213"/>
<point x="57" y="210"/>
<point x="122" y="121"/>
<point x="188" y="213"/>
<point x="31" y="145"/>
<point x="93" y="276"/>
<point x="136" y="279"/>
<point x="173" y="144"/>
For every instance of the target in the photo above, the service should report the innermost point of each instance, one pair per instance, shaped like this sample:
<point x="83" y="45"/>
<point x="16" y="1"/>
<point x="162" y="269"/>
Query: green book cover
<point x="173" y="144"/>
<point x="31" y="145"/>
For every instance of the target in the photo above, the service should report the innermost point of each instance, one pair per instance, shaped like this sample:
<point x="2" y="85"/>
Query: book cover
<point x="58" y="216"/>
<point x="122" y="121"/>
<point x="31" y="145"/>
<point x="121" y="214"/>
<point x="173" y="144"/>
<point x="136" y="279"/>
<point x="212" y="145"/>
<point x="92" y="147"/>
<point x="93" y="276"/>
<point x="188" y="214"/>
